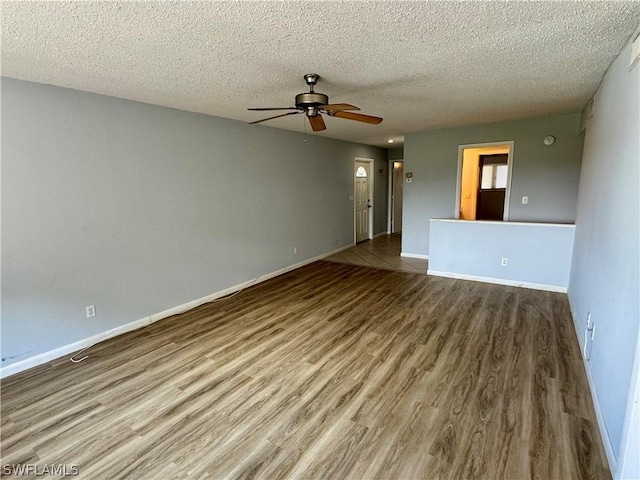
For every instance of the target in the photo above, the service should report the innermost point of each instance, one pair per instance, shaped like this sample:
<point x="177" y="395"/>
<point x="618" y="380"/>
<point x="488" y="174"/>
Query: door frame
<point x="390" y="194"/>
<point x="370" y="184"/>
<point x="507" y="193"/>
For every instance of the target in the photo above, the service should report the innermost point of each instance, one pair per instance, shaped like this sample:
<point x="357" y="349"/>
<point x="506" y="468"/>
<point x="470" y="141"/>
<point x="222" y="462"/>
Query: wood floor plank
<point x="383" y="253"/>
<point x="328" y="371"/>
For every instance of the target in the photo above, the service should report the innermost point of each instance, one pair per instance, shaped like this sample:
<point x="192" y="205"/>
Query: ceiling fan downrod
<point x="311" y="79"/>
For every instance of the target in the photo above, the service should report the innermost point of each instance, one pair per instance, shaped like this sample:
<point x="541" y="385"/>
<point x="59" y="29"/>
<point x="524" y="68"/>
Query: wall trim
<point x="381" y="234"/>
<point x="602" y="426"/>
<point x="500" y="222"/>
<point x="58" y="352"/>
<point x="499" y="281"/>
<point x="414" y="255"/>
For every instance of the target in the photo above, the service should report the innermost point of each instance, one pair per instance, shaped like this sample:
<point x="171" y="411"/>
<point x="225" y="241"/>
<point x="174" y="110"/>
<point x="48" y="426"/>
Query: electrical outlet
<point x="295" y="250"/>
<point x="504" y="262"/>
<point x="91" y="311"/>
<point x="525" y="200"/>
<point x="587" y="345"/>
<point x="589" y="335"/>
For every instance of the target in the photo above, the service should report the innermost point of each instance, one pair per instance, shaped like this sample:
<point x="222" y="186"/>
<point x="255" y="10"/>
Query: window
<point x="487" y="177"/>
<point x="501" y="176"/>
<point x="361" y="172"/>
<point x="494" y="176"/>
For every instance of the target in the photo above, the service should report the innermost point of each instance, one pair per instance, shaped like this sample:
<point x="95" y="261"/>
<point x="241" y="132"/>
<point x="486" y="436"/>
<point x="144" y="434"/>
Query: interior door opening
<point x="484" y="181"/>
<point x="396" y="179"/>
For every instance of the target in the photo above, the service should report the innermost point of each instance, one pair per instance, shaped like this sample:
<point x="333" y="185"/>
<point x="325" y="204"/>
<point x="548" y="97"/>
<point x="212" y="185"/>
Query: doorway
<point x="363" y="199"/>
<point x="396" y="179"/>
<point x="484" y="181"/>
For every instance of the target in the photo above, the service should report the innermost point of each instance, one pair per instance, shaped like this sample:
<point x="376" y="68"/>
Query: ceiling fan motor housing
<point x="311" y="99"/>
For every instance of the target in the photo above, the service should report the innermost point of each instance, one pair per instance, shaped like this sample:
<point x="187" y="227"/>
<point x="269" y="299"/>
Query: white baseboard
<point x="602" y="426"/>
<point x="414" y="255"/>
<point x="381" y="234"/>
<point x="499" y="281"/>
<point x="45" y="357"/>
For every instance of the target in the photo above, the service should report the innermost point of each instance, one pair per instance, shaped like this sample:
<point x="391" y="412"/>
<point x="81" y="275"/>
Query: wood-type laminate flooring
<point x="381" y="252"/>
<point x="330" y="371"/>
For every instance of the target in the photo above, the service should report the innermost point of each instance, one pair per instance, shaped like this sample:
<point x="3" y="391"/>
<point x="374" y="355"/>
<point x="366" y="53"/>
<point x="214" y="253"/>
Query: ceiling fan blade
<point x="359" y="117"/>
<point x="277" y="116"/>
<point x="274" y="108"/>
<point x="317" y="123"/>
<point x="338" y="106"/>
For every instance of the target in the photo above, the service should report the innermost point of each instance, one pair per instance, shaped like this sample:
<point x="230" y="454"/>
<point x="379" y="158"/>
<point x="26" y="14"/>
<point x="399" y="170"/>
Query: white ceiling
<point x="419" y="65"/>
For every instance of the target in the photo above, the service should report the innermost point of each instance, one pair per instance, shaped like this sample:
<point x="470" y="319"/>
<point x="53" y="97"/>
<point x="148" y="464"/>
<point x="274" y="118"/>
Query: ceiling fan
<point x="314" y="104"/>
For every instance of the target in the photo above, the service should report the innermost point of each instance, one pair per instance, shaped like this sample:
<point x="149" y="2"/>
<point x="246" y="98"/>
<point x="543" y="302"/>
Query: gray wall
<point x="535" y="253"/>
<point x="395" y="153"/>
<point x="547" y="175"/>
<point x="137" y="208"/>
<point x="604" y="277"/>
<point x="381" y="187"/>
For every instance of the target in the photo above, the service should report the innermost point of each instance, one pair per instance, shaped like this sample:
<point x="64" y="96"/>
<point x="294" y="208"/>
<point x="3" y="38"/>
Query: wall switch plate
<point x="504" y="262"/>
<point x="525" y="200"/>
<point x="588" y="345"/>
<point x="91" y="311"/>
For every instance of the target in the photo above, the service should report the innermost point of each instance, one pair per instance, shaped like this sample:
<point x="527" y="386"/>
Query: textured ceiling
<point x="417" y="64"/>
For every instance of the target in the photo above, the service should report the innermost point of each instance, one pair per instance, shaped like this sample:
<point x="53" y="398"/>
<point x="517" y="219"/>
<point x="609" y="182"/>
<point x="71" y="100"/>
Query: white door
<point x="363" y="203"/>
